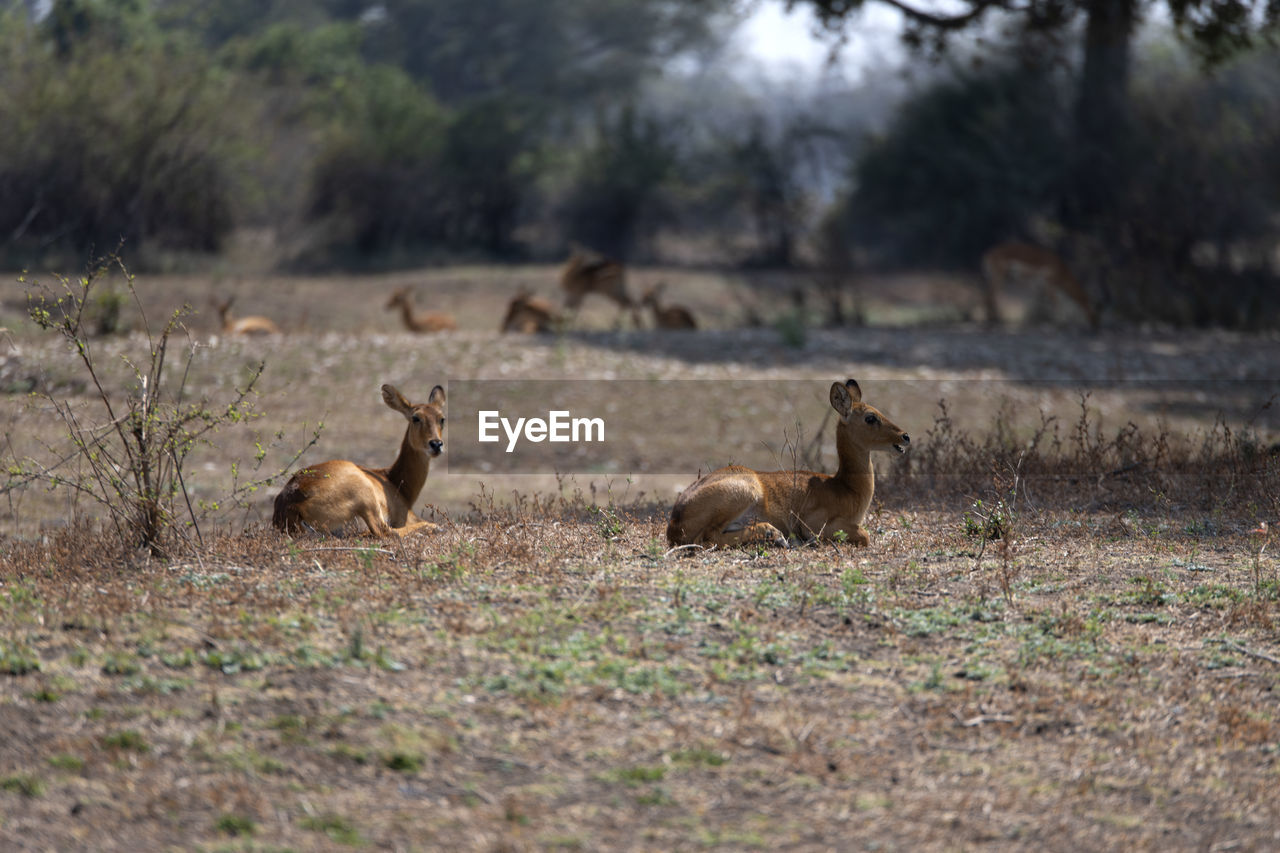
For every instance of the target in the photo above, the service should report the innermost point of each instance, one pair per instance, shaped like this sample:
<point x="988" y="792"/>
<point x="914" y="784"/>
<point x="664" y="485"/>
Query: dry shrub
<point x="128" y="451"/>
<point x="1087" y="467"/>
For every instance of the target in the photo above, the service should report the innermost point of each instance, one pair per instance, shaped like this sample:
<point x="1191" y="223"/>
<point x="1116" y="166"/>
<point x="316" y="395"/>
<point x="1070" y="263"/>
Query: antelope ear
<point x="854" y="391"/>
<point x="437" y="395"/>
<point x="396" y="400"/>
<point x="841" y="401"/>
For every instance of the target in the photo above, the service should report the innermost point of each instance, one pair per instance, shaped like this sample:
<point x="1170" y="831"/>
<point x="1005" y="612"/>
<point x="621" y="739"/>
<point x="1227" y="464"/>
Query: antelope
<point x="527" y="314"/>
<point x="1023" y="261"/>
<point x="669" y="317"/>
<point x="587" y="272"/>
<point x="737" y="506"/>
<point x="424" y="322"/>
<point x="255" y="325"/>
<point x="334" y="495"/>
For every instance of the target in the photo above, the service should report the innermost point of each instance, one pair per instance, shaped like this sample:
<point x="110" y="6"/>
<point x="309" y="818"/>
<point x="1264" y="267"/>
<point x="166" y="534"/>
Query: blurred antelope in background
<point x="738" y="506"/>
<point x="335" y="495"/>
<point x="589" y="272"/>
<point x="670" y="316"/>
<point x="1010" y="262"/>
<point x="422" y="322"/>
<point x="254" y="325"/>
<point x="527" y="314"/>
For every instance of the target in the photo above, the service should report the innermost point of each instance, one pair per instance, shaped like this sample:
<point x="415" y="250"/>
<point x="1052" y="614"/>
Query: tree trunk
<point x="1102" y="114"/>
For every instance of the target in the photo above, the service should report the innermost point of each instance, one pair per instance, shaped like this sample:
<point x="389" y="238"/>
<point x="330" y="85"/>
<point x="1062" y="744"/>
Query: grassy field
<point x="1063" y="636"/>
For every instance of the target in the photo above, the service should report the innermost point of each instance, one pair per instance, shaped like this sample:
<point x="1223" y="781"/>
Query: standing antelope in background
<point x="333" y="495"/>
<point x="426" y="321"/>
<point x="256" y="325"/>
<point x="588" y="272"/>
<point x="670" y="316"/>
<point x="1025" y="262"/>
<point x="528" y="314"/>
<point x="737" y="505"/>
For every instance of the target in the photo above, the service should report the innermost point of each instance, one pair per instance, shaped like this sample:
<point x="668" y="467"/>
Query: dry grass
<point x="536" y="679"/>
<point x="544" y="674"/>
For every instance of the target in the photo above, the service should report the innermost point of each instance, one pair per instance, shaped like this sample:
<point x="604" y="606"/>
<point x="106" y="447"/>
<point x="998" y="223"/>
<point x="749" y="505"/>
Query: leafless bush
<point x="129" y="456"/>
<point x="1088" y="466"/>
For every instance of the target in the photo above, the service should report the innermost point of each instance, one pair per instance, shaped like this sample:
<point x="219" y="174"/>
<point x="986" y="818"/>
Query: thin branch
<point x="1251" y="653"/>
<point x="368" y="549"/>
<point x="951" y="22"/>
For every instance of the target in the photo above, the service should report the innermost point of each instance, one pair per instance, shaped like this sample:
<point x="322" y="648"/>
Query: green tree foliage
<point x="378" y="177"/>
<point x="216" y="24"/>
<point x="615" y="201"/>
<point x="504" y="81"/>
<point x="560" y="52"/>
<point x="966" y="163"/>
<point x="489" y="170"/>
<point x="1197" y="225"/>
<point x="974" y="160"/>
<point x="110" y="23"/>
<point x="397" y="172"/>
<point x="761" y="177"/>
<point x="323" y="58"/>
<point x="134" y="141"/>
<point x="567" y="52"/>
<point x="1102" y="145"/>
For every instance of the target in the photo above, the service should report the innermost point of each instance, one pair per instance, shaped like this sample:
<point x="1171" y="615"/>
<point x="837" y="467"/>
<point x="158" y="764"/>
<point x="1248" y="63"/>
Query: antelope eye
<point x="871" y="419"/>
<point x="442" y="421"/>
<point x="417" y="420"/>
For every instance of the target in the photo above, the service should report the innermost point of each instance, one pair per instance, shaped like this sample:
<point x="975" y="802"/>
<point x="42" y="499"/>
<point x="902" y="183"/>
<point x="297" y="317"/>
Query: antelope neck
<point x="855" y="462"/>
<point x="408" y="473"/>
<point x="406" y="312"/>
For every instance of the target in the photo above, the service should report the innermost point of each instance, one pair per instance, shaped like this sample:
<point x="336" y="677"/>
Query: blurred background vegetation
<point x="1140" y="138"/>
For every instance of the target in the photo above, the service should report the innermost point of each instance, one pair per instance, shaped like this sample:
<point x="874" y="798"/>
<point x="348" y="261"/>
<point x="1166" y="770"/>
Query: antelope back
<point x="587" y="273"/>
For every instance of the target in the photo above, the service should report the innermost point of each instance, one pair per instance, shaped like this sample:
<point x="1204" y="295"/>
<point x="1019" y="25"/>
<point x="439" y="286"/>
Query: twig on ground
<point x="352" y="548"/>
<point x="1250" y="652"/>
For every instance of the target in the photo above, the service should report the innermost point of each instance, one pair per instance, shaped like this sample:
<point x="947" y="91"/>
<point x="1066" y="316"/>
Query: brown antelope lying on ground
<point x="422" y="322"/>
<point x="1039" y="266"/>
<point x="527" y="314"/>
<point x="335" y="495"/>
<point x="588" y="272"/>
<point x="669" y="316"/>
<point x="737" y="506"/>
<point x="255" y="325"/>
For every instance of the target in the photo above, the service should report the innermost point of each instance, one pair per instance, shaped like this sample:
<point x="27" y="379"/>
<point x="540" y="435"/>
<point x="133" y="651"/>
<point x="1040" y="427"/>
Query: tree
<point x="964" y="164"/>
<point x="1216" y="29"/>
<point x="378" y="180"/>
<point x="124" y="137"/>
<point x="564" y="51"/>
<point x="760" y="164"/>
<point x="488" y="167"/>
<point x="106" y="22"/>
<point x="614" y="200"/>
<point x="1199" y="248"/>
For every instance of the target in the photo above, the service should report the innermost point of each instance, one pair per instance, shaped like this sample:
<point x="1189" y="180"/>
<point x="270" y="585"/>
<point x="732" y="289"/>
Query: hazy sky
<point x="780" y="39"/>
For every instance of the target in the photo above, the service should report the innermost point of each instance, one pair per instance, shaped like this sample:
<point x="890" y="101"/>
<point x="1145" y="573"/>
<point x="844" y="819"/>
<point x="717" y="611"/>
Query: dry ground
<point x="543" y="674"/>
<point x="531" y="681"/>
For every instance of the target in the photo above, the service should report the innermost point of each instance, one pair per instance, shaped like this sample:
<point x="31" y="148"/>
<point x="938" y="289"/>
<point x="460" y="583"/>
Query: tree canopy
<point x="1215" y="29"/>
